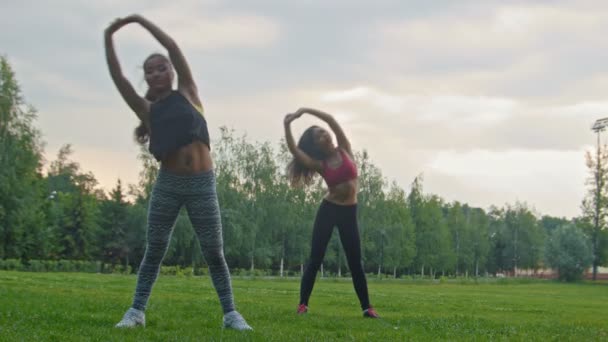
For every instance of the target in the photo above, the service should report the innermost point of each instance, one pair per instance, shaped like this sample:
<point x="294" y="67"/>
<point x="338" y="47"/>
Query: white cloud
<point x="591" y="110"/>
<point x="465" y="93"/>
<point x="542" y="52"/>
<point x="390" y="103"/>
<point x="196" y="29"/>
<point x="514" y="20"/>
<point x="551" y="180"/>
<point x="346" y="95"/>
<point x="457" y="109"/>
<point x="54" y="83"/>
<point x="493" y="29"/>
<point x="460" y="109"/>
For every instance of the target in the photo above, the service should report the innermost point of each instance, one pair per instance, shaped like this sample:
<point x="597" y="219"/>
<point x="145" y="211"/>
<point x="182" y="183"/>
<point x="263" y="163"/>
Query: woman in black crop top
<point x="172" y="121"/>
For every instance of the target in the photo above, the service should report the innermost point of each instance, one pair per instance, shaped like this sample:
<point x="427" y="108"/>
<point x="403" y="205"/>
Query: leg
<point x="349" y="236"/>
<point x="324" y="224"/>
<point x="204" y="213"/>
<point x="162" y="213"/>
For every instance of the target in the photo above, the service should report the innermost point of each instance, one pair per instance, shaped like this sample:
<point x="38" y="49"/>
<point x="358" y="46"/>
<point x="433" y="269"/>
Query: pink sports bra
<point x="345" y="172"/>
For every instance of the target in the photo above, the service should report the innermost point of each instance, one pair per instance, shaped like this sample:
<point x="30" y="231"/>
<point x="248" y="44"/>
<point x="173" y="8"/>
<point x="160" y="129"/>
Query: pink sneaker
<point x="302" y="309"/>
<point x="370" y="313"/>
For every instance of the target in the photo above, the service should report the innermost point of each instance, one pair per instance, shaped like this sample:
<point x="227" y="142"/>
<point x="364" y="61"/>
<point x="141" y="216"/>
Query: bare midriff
<point x="344" y="193"/>
<point x="189" y="159"/>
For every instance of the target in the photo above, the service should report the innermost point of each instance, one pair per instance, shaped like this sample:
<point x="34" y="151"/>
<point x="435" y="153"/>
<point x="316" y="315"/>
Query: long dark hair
<point x="141" y="132"/>
<point x="297" y="172"/>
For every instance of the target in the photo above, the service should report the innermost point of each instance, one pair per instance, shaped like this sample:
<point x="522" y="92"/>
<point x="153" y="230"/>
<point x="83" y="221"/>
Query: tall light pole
<point x="599" y="126"/>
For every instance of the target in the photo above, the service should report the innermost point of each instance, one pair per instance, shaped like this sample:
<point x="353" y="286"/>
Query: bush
<point x="65" y="266"/>
<point x="94" y="267"/>
<point x="242" y="272"/>
<point x="121" y="269"/>
<point x="11" y="265"/>
<point x="50" y="265"/>
<point x="36" y="266"/>
<point x="189" y="271"/>
<point x="169" y="270"/>
<point x="200" y="271"/>
<point x="569" y="252"/>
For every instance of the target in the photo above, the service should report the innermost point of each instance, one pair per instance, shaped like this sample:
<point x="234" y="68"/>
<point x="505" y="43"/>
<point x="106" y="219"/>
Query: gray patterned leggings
<point x="198" y="194"/>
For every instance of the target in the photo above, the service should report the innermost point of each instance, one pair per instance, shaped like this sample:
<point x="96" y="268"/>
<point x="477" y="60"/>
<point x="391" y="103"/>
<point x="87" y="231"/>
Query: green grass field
<point x="84" y="307"/>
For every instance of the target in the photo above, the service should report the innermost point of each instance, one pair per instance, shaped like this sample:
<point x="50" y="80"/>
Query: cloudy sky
<point x="491" y="100"/>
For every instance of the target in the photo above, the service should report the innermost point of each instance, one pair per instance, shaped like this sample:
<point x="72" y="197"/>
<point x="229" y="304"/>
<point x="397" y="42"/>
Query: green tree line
<point x="62" y="214"/>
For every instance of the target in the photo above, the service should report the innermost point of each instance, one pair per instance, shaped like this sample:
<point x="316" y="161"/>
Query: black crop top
<point x="175" y="122"/>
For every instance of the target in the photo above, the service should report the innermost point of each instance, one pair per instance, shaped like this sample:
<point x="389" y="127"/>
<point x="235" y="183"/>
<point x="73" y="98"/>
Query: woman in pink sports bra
<point x="316" y="153"/>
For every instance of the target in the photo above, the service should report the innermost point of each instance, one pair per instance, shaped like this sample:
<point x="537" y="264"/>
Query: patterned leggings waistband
<point x="186" y="184"/>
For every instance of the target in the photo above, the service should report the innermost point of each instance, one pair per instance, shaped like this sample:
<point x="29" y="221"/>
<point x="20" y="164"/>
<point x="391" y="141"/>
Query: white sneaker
<point x="235" y="321"/>
<point x="132" y="318"/>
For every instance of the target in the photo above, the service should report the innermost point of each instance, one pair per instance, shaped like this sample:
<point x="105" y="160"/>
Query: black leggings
<point x="345" y="218"/>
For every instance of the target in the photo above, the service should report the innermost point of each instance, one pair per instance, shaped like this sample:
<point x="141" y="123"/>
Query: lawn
<point x="84" y="307"/>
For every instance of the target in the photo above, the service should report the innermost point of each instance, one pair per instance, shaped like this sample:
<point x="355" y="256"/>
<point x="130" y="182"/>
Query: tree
<point x="479" y="225"/>
<point x="295" y="216"/>
<point x="23" y="229"/>
<point x="76" y="208"/>
<point x="247" y="172"/>
<point x="137" y="217"/>
<point x="433" y="245"/>
<point x="415" y="202"/>
<point x="371" y="211"/>
<point x="446" y="257"/>
<point x="135" y="234"/>
<point x="595" y="202"/>
<point x="569" y="252"/>
<point x="459" y="224"/>
<point x="112" y="237"/>
<point x="401" y="234"/>
<point x="550" y="223"/>
<point x="184" y="248"/>
<point x="517" y="239"/>
<point x="496" y="233"/>
<point x="147" y="176"/>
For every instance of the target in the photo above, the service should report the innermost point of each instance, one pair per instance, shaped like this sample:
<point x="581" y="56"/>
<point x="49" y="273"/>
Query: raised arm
<point x="298" y="154"/>
<point x="185" y="80"/>
<point x="137" y="103"/>
<point x="333" y="124"/>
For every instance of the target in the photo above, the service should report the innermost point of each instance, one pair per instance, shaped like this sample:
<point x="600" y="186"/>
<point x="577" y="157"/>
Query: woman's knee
<point x="214" y="256"/>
